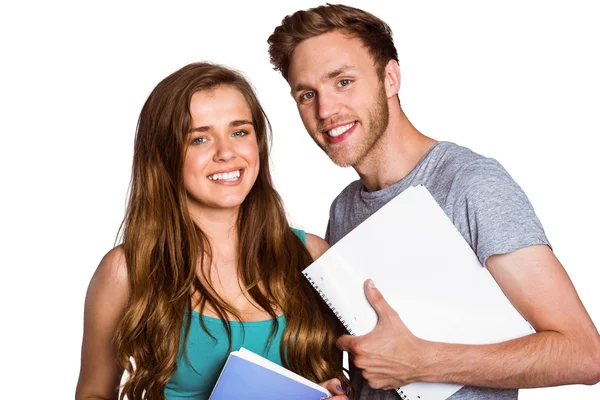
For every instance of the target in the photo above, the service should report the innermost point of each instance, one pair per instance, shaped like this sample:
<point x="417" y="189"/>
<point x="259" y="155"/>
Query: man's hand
<point x="335" y="387"/>
<point x="389" y="355"/>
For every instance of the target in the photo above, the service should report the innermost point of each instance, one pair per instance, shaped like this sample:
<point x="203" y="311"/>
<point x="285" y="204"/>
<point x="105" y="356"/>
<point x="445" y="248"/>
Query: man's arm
<point x="565" y="349"/>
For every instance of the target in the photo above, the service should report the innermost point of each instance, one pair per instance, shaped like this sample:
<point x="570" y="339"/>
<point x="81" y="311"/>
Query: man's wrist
<point x="430" y="361"/>
<point x="425" y="363"/>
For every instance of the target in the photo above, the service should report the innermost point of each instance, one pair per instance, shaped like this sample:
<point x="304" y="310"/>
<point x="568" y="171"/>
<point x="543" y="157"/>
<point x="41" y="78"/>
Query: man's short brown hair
<point x="375" y="34"/>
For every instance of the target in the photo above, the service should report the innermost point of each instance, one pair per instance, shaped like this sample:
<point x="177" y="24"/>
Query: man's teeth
<point x="340" y="129"/>
<point x="226" y="176"/>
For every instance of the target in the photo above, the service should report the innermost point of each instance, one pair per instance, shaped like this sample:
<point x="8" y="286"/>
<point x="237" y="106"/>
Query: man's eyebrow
<point x="299" y="88"/>
<point x="328" y="75"/>
<point x="234" y="123"/>
<point x="336" y="72"/>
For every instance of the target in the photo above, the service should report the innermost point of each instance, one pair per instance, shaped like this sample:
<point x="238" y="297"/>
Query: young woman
<point x="208" y="261"/>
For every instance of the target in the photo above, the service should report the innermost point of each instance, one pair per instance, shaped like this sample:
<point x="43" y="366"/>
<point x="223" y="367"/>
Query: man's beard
<point x="377" y="121"/>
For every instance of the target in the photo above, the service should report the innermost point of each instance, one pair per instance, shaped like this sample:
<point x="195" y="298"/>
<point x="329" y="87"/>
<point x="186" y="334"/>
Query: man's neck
<point x="395" y="155"/>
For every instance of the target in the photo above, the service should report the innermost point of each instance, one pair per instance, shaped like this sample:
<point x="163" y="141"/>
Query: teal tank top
<point x="196" y="374"/>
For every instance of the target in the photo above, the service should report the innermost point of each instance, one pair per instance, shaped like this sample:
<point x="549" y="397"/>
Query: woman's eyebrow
<point x="234" y="123"/>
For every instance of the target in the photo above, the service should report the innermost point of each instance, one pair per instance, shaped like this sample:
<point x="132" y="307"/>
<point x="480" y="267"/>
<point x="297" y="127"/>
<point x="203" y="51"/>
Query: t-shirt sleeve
<point x="327" y="234"/>
<point x="330" y="231"/>
<point x="492" y="212"/>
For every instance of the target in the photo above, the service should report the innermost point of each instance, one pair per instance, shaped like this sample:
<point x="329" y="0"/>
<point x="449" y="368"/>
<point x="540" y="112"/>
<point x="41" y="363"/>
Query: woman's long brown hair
<point x="164" y="247"/>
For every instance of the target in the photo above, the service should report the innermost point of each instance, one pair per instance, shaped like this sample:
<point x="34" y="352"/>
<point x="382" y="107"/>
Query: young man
<point x="342" y="67"/>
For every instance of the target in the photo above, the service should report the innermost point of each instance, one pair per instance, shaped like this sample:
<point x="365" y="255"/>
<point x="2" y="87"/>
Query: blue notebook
<point x="249" y="376"/>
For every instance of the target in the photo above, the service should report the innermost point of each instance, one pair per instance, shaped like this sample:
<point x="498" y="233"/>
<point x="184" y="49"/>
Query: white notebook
<point x="426" y="271"/>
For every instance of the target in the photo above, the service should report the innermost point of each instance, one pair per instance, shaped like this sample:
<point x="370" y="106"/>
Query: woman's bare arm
<point x="315" y="245"/>
<point x="105" y="301"/>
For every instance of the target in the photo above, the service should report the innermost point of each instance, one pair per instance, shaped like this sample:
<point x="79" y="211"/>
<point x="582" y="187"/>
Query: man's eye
<point x="199" y="140"/>
<point x="307" y="96"/>
<point x="344" y="82"/>
<point x="239" y="133"/>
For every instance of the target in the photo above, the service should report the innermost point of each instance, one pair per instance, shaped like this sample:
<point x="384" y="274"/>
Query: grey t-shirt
<point x="485" y="204"/>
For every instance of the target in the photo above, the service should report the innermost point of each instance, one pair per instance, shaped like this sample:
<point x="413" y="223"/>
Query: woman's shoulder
<point x="113" y="267"/>
<point x="316" y="245"/>
<point x="109" y="284"/>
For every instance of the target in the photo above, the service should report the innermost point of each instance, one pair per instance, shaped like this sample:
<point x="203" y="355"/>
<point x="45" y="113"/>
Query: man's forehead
<point x="324" y="57"/>
<point x="327" y="73"/>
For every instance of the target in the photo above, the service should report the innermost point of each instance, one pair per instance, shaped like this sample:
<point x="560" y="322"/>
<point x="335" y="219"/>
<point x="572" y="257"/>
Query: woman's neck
<point x="219" y="225"/>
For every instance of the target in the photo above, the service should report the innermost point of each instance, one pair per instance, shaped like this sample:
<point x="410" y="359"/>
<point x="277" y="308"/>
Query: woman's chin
<point x="230" y="203"/>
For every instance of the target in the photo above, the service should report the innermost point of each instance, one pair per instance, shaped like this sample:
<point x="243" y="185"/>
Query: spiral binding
<point x="338" y="315"/>
<point x="329" y="304"/>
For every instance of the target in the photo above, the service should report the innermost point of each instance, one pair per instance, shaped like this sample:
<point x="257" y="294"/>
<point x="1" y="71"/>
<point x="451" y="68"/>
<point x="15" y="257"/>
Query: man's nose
<point x="328" y="105"/>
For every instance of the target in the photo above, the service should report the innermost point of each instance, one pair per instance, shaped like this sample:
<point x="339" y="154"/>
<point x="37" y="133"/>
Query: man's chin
<point x="342" y="160"/>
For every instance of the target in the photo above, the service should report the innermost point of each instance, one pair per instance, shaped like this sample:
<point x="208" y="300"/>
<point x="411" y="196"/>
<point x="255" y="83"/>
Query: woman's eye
<point x="344" y="82"/>
<point x="199" y="140"/>
<point x="239" y="133"/>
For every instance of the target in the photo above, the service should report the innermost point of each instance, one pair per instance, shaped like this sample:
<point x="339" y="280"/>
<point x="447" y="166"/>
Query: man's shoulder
<point x="454" y="156"/>
<point x="341" y="210"/>
<point x="349" y="193"/>
<point x="465" y="166"/>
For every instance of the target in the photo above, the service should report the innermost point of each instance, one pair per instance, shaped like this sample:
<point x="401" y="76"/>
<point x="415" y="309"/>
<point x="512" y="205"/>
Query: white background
<point x="513" y="80"/>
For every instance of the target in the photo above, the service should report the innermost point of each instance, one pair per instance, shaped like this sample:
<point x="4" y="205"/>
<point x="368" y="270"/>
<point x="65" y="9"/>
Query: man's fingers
<point x="377" y="301"/>
<point x="345" y="342"/>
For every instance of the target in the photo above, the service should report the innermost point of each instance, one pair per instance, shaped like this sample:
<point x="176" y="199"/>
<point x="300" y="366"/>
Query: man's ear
<point x="391" y="78"/>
